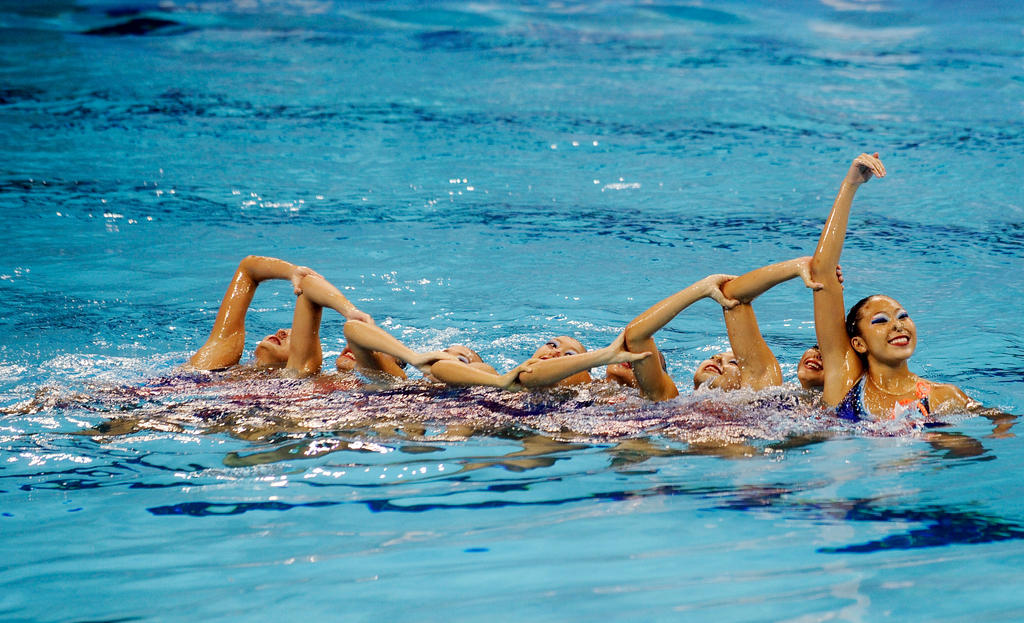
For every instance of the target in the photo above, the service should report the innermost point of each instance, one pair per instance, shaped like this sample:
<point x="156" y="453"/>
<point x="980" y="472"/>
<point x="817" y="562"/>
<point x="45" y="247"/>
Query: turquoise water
<point x="494" y="174"/>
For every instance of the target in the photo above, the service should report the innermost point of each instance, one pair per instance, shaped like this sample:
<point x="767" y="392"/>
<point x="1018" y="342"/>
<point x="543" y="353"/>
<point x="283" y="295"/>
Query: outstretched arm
<point x="758" y="366"/>
<point x="533" y="373"/>
<point x="325" y="294"/>
<point x="753" y="284"/>
<point x="455" y="372"/>
<point x="227" y="339"/>
<point x="547" y="372"/>
<point x="655" y="383"/>
<point x="368" y="342"/>
<point x="842" y="366"/>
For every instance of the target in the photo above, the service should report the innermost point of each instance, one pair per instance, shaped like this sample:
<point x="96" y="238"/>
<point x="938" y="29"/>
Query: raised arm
<point x="842" y="366"/>
<point x="654" y="382"/>
<point x="325" y="294"/>
<point x="758" y="366"/>
<point x="227" y="339"/>
<point x="305" y="355"/>
<point x="753" y="284"/>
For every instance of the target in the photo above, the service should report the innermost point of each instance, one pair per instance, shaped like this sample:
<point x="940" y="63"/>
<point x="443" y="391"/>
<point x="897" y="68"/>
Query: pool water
<point x="494" y="174"/>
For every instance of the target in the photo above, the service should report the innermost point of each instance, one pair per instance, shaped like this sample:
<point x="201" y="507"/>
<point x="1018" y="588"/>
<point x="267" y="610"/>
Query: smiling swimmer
<point x="865" y="357"/>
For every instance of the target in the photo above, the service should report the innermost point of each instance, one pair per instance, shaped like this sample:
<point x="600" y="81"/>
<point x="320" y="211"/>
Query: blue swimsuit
<point x="852" y="407"/>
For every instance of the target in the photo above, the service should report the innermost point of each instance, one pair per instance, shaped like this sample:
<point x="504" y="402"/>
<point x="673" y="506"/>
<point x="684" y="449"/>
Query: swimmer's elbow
<point x="249" y="263"/>
<point x="635" y="338"/>
<point x="821" y="269"/>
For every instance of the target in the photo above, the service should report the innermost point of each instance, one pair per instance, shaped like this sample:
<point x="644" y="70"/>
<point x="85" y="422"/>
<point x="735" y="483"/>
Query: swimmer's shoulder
<point x="948" y="398"/>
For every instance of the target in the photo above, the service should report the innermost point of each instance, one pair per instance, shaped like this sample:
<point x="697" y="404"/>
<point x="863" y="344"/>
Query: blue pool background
<point x="490" y="174"/>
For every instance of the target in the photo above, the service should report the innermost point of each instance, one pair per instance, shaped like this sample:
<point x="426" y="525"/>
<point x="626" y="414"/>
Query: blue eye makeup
<point x="902" y="314"/>
<point x="879" y="319"/>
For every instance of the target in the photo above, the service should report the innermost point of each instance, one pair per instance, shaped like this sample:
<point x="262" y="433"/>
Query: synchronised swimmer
<point x="860" y="361"/>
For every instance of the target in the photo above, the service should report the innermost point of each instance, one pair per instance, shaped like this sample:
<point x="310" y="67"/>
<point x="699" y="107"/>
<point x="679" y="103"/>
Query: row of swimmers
<point x="860" y="362"/>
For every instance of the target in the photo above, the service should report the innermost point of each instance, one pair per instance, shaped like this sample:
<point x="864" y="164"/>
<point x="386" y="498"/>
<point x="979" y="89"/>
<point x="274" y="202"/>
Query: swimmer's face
<point x="273" y="349"/>
<point x="720" y="372"/>
<point x="887" y="334"/>
<point x="810" y="370"/>
<point x="621" y="373"/>
<point x="464" y="353"/>
<point x="561" y="346"/>
<point x="564" y="346"/>
<point x="346" y="361"/>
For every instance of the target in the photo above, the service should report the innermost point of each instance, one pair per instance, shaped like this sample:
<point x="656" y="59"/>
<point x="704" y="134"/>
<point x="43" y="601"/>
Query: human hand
<point x="863" y="168"/>
<point x="296" y="277"/>
<point x="625" y="356"/>
<point x="839" y="274"/>
<point x="805" y="275"/>
<point x="424" y="361"/>
<point x="618" y="353"/>
<point x="713" y="285"/>
<point x="511" y="377"/>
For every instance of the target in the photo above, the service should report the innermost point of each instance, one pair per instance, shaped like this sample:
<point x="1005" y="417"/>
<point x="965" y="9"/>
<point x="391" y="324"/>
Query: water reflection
<point x="385" y="438"/>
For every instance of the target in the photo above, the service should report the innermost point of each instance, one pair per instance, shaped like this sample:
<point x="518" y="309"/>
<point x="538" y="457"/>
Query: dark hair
<point x="852" y="330"/>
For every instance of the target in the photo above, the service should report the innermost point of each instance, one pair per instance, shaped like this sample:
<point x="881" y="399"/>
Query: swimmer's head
<point x="464" y="353"/>
<point x="272" y="350"/>
<point x="719" y="372"/>
<point x="622" y="373"/>
<point x="561" y="346"/>
<point x="880" y="329"/>
<point x="346" y="362"/>
<point x="810" y="371"/>
<point x="564" y="346"/>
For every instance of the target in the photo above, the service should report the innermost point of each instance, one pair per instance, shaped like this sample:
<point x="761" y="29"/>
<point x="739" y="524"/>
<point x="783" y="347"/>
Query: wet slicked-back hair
<point x="852" y="330"/>
<point x="852" y="320"/>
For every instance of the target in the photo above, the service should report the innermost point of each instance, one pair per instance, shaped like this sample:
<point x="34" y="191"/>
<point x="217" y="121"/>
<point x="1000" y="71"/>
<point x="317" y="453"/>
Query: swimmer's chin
<point x="705" y="386"/>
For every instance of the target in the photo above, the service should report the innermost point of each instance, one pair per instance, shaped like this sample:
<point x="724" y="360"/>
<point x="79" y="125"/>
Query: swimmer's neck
<point x="891" y="379"/>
